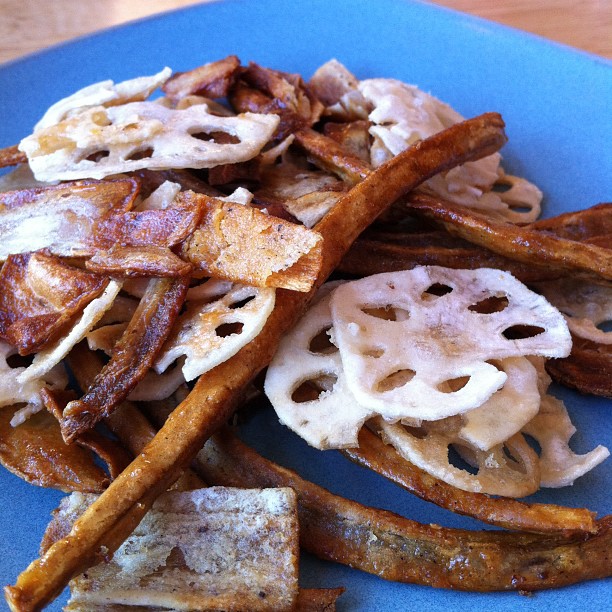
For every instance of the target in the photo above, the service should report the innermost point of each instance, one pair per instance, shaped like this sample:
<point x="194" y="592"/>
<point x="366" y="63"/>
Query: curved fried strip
<point x="212" y="401"/>
<point x="579" y="225"/>
<point x="367" y="257"/>
<point x="133" y="355"/>
<point x="587" y="369"/>
<point x="383" y="459"/>
<point x="395" y="548"/>
<point x="518" y="243"/>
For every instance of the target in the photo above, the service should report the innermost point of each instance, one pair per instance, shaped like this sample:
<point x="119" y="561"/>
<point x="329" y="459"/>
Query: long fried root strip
<point x="518" y="243"/>
<point x="503" y="512"/>
<point x="216" y="395"/>
<point x="395" y="548"/>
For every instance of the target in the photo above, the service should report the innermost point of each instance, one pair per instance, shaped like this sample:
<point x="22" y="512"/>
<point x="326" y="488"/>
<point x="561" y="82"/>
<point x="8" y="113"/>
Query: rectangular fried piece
<point x="209" y="549"/>
<point x="215" y="396"/>
<point x="242" y="244"/>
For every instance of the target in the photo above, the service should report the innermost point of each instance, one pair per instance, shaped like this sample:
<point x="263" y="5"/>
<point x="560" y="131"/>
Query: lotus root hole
<point x="228" y="329"/>
<point x="395" y="380"/>
<point x="321" y="343"/>
<point x="374" y="352"/>
<point x="387" y="313"/>
<point x="140" y="154"/>
<point x="241" y="303"/>
<point x="311" y="389"/>
<point x="19" y="361"/>
<point x="490" y="304"/>
<point x="216" y="137"/>
<point x="513" y="463"/>
<point x="452" y="385"/>
<point x="436" y="290"/>
<point x="521" y="332"/>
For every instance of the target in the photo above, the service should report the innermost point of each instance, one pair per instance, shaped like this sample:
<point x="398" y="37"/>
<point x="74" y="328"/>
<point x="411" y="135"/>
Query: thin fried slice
<point x="398" y="549"/>
<point x="242" y="244"/>
<point x="382" y="458"/>
<point x="132" y="356"/>
<point x="36" y="452"/>
<point x="587" y="369"/>
<point x="212" y="80"/>
<point x="40" y="296"/>
<point x="138" y="261"/>
<point x="519" y="243"/>
<point x="580" y="225"/>
<point x="209" y="549"/>
<point x="448" y="334"/>
<point x="61" y="217"/>
<point x="211" y="331"/>
<point x="552" y="428"/>
<point x="215" y="396"/>
<point x="12" y="156"/>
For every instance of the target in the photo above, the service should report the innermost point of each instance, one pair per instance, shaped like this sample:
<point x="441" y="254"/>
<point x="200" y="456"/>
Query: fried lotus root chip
<point x="510" y="469"/>
<point x="552" y="429"/>
<point x="99" y="141"/>
<point x="307" y="387"/>
<point x="216" y="326"/>
<point x="210" y="549"/>
<point x="40" y="296"/>
<point x="448" y="336"/>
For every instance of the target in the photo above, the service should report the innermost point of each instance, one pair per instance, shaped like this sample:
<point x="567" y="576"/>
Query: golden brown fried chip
<point x="242" y="244"/>
<point x="211" y="80"/>
<point x="40" y="296"/>
<point x="12" y="156"/>
<point x="36" y="452"/>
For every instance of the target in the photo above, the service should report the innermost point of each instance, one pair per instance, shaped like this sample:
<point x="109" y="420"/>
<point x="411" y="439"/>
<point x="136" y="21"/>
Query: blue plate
<point x="556" y="103"/>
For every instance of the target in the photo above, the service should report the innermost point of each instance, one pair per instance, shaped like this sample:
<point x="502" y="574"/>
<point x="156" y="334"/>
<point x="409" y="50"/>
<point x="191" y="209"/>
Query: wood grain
<point x="29" y="25"/>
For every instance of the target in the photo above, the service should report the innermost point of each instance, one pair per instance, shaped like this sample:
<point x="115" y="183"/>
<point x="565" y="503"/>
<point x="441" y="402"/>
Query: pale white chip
<point x="92" y="313"/>
<point x="552" y="429"/>
<point x="402" y="115"/>
<point x="510" y="469"/>
<point x="305" y="361"/>
<point x="585" y="305"/>
<point x="104" y="93"/>
<point x="211" y="332"/>
<point x="507" y="410"/>
<point x="157" y="386"/>
<point x="217" y="548"/>
<point x="14" y="391"/>
<point x="402" y="343"/>
<point x="99" y="141"/>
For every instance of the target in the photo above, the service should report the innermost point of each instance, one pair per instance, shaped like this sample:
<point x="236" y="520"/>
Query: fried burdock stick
<point x="395" y="548"/>
<point x="215" y="396"/>
<point x="383" y="459"/>
<point x="515" y="242"/>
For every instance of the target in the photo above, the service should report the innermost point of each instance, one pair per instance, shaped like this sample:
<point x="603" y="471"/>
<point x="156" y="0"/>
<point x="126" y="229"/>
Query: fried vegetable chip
<point x="209" y="332"/>
<point x="98" y="141"/>
<point x="209" y="549"/>
<point x="448" y="334"/>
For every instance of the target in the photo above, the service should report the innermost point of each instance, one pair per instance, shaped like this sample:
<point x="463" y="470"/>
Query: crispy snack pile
<point x="163" y="250"/>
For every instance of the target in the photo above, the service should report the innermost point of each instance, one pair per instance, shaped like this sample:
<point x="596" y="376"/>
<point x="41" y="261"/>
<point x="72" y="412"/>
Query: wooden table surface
<point x="29" y="25"/>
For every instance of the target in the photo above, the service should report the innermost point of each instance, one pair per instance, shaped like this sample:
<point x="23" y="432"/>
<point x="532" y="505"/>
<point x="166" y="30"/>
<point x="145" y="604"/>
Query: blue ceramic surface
<point x="556" y="103"/>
